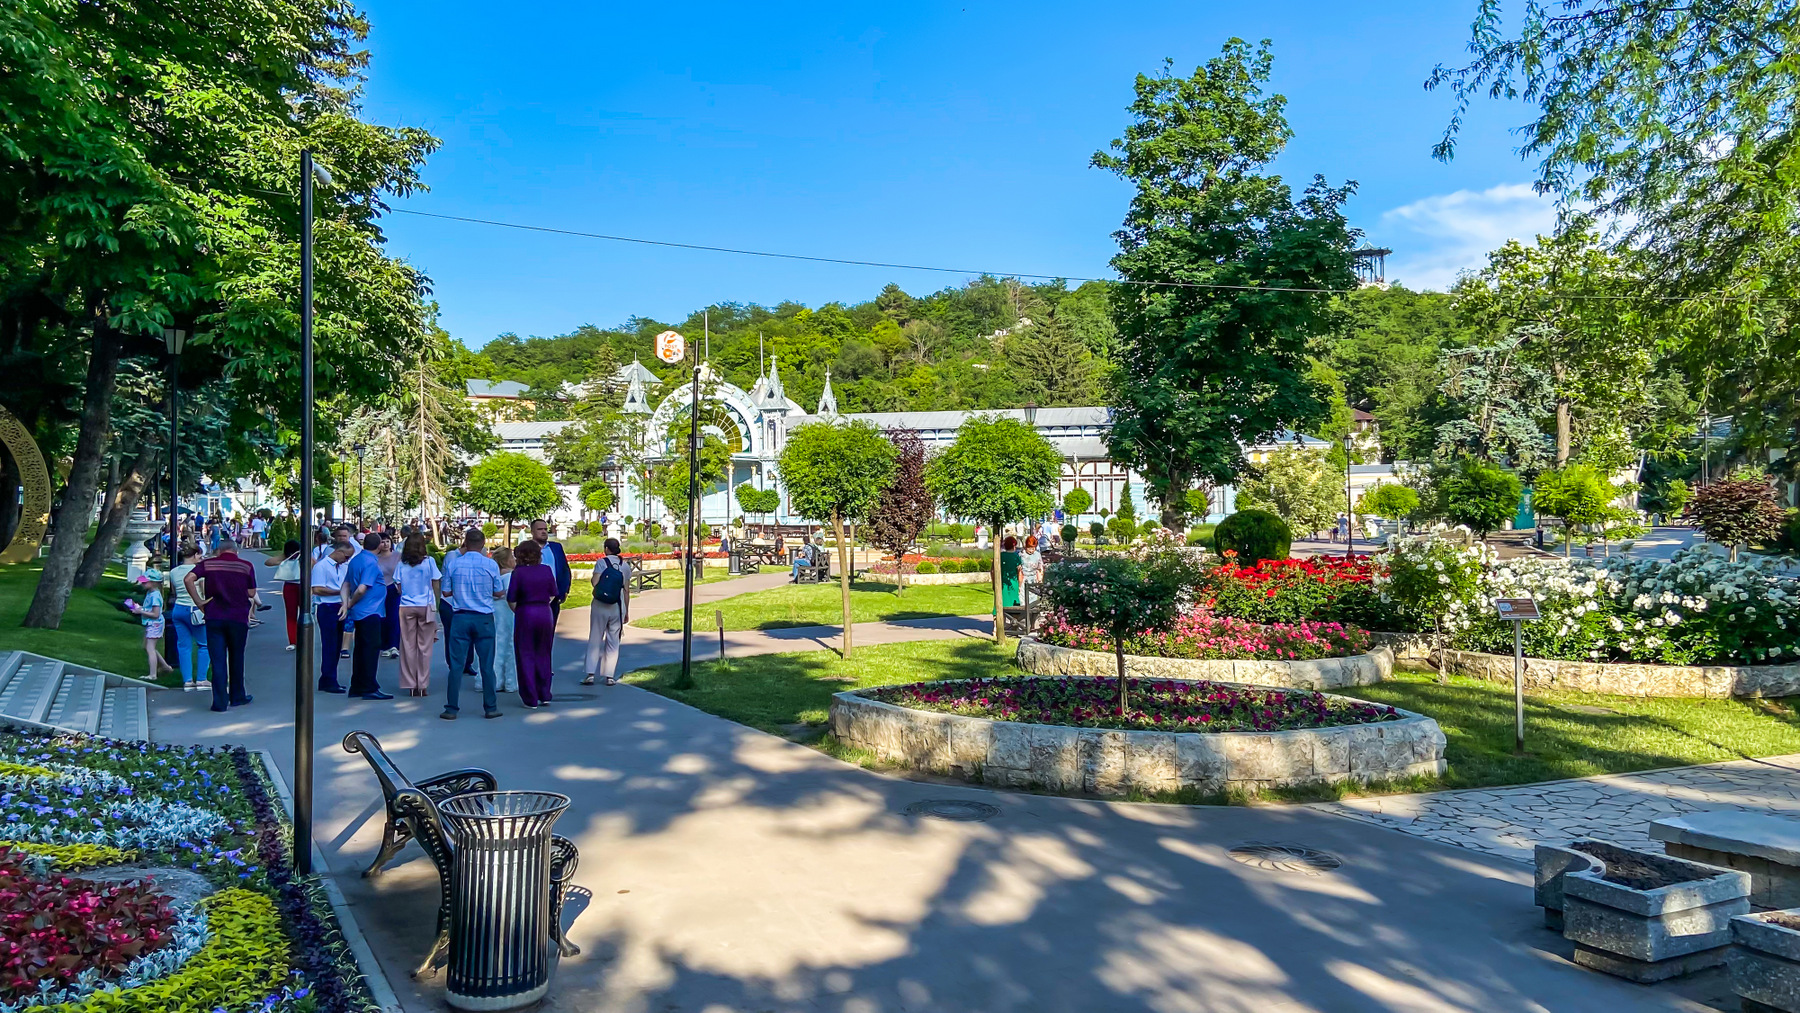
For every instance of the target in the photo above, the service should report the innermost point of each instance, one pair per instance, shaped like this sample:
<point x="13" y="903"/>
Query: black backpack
<point x="611" y="586"/>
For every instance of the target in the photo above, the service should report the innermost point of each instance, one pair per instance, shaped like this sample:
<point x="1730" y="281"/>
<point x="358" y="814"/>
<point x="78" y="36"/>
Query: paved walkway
<point x="1507" y="822"/>
<point x="726" y="870"/>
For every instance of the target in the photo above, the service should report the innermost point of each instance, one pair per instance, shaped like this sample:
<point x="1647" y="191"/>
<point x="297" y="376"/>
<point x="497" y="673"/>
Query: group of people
<point x="214" y="604"/>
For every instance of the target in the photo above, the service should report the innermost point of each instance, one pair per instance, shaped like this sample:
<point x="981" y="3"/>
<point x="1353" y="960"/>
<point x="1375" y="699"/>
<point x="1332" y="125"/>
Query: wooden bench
<point x="813" y="573"/>
<point x="645" y="580"/>
<point x="1765" y="846"/>
<point x="412" y="815"/>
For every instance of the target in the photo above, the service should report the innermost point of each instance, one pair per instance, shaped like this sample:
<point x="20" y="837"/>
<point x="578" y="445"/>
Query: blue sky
<point x="922" y="133"/>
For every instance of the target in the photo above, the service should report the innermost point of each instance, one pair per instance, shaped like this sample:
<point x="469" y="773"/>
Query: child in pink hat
<point x="150" y="613"/>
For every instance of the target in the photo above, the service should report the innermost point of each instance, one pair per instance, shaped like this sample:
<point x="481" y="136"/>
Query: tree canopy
<point x="836" y="471"/>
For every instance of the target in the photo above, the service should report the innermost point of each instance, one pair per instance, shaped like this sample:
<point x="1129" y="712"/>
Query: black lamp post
<point x="303" y="656"/>
<point x="173" y="339"/>
<point x="1349" y="511"/>
<point x="360" y="450"/>
<point x="1031" y="414"/>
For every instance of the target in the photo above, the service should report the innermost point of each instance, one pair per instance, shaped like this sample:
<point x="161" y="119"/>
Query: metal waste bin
<point x="500" y="897"/>
<point x="735" y="560"/>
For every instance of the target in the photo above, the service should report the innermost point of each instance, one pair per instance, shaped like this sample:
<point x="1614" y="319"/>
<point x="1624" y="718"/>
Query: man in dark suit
<point x="556" y="560"/>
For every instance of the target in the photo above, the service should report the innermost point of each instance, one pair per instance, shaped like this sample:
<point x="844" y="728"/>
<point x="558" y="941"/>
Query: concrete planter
<point x="1039" y="658"/>
<point x="927" y="579"/>
<point x="1553" y="863"/>
<point x="1631" y="679"/>
<point x="1765" y="962"/>
<point x="1113" y="761"/>
<point x="1649" y="917"/>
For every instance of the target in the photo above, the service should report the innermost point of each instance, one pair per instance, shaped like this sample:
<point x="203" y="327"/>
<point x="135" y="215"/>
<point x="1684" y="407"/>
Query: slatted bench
<point x="645" y="580"/>
<point x="1765" y="846"/>
<point x="412" y="814"/>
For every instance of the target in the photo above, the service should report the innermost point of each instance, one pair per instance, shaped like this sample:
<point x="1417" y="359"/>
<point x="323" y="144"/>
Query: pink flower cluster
<point x="1169" y="705"/>
<point x="1200" y="634"/>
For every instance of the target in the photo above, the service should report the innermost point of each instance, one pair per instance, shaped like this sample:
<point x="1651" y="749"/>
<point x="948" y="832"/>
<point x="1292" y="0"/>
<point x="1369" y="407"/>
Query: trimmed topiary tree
<point x="835" y="471"/>
<point x="1120" y="595"/>
<point x="1069" y="532"/>
<point x="1480" y="496"/>
<point x="1736" y="512"/>
<point x="1255" y="535"/>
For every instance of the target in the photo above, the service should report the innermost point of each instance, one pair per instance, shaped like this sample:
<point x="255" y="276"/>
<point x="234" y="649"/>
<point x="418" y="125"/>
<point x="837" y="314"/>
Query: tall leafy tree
<point x="835" y="472"/>
<point x="512" y="487"/>
<point x="1204" y="371"/>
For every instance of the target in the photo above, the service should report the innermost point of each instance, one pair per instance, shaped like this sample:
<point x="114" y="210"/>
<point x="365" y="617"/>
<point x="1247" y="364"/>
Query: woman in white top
<point x="506" y="662"/>
<point x="419" y="580"/>
<point x="189" y="624"/>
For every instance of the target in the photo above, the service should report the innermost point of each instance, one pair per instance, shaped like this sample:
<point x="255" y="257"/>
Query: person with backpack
<point x="608" y="615"/>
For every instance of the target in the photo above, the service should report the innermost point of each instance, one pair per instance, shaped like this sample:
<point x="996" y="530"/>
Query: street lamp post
<point x="173" y="339"/>
<point x="303" y="655"/>
<point x="361" y="520"/>
<point x="1349" y="511"/>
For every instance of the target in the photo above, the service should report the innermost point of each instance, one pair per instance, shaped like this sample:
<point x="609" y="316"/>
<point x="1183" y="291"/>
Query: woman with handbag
<point x="287" y="570"/>
<point x="189" y="623"/>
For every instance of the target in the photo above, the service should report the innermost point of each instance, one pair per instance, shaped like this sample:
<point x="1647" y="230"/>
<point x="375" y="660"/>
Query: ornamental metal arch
<point x="34" y="477"/>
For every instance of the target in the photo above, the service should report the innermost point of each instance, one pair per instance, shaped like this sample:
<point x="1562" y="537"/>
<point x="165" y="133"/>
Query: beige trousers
<point x="606" y="625"/>
<point x="418" y="631"/>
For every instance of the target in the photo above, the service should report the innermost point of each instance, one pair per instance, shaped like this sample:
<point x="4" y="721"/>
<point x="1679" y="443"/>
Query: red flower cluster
<point x="593" y="557"/>
<point x="1291" y="590"/>
<point x="55" y="928"/>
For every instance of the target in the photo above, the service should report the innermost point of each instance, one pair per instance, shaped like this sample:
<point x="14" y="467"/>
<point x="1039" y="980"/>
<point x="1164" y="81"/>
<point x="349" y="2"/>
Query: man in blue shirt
<point x="365" y="602"/>
<point x="471" y="583"/>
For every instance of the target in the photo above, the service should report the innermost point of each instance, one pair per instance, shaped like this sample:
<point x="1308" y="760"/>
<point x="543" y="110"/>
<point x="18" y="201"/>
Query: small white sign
<point x="671" y="347"/>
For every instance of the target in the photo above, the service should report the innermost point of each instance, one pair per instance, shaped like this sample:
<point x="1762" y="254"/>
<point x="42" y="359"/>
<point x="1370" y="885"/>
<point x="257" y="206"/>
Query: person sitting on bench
<point x="803" y="557"/>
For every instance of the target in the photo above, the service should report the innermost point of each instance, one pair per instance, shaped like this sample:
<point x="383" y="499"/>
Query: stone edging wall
<point x="1630" y="679"/>
<point x="922" y="579"/>
<point x="1039" y="658"/>
<point x="1111" y="761"/>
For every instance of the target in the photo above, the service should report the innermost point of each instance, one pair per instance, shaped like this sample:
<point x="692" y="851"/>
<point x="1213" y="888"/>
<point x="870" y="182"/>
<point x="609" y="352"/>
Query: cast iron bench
<point x="412" y="815"/>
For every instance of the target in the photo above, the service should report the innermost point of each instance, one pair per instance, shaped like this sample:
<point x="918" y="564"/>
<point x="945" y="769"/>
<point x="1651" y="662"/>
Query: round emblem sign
<point x="670" y="346"/>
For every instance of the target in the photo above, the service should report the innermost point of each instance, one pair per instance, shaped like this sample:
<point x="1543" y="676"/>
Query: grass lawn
<point x="93" y="632"/>
<point x="788" y="694"/>
<point x="581" y="589"/>
<point x="1566" y="734"/>
<point x="822" y="605"/>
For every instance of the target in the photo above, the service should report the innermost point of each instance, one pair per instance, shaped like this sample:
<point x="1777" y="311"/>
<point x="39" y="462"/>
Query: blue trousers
<point x="191" y="653"/>
<point x="331" y="643"/>
<point x="472" y="631"/>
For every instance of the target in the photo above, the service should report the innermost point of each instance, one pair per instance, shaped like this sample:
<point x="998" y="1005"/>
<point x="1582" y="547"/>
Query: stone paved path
<point x="1507" y="822"/>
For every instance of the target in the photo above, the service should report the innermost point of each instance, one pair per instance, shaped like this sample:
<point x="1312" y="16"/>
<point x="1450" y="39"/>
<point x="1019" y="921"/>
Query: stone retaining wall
<point x="1039" y="658"/>
<point x="1629" y="679"/>
<point x="1111" y="761"/>
<point x="923" y="579"/>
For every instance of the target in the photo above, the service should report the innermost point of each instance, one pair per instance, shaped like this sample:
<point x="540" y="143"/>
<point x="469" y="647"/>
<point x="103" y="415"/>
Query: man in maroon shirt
<point x="225" y="584"/>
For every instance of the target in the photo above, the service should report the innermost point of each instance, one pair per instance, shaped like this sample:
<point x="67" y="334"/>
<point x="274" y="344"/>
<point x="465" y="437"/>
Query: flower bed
<point x="1199" y="634"/>
<point x="1318" y="588"/>
<point x="1157" y="705"/>
<point x="594" y="557"/>
<point x="1286" y="738"/>
<point x="262" y="940"/>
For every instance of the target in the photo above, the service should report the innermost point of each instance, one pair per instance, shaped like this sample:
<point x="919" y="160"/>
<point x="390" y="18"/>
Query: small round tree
<point x="1577" y="496"/>
<point x="835" y="471"/>
<point x="512" y="487"/>
<point x="1121" y="595"/>
<point x="1391" y="500"/>
<point x="999" y="471"/>
<point x="1479" y="496"/>
<point x="1254" y="535"/>
<point x="1736" y="512"/>
<point x="1076" y="502"/>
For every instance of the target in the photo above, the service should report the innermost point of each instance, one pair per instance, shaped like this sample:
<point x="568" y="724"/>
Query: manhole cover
<point x="1285" y="858"/>
<point x="574" y="697"/>
<point x="957" y="809"/>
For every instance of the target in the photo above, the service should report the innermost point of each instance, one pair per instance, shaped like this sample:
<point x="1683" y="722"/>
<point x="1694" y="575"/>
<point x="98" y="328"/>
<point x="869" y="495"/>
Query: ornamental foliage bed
<point x="1163" y="705"/>
<point x="1199" y="634"/>
<point x="261" y="940"/>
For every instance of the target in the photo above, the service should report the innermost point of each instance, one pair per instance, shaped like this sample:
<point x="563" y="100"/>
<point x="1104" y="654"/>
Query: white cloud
<point x="1436" y="238"/>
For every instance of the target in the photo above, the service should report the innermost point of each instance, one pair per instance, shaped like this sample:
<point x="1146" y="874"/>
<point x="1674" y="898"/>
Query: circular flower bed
<point x="1156" y="705"/>
<point x="1199" y="634"/>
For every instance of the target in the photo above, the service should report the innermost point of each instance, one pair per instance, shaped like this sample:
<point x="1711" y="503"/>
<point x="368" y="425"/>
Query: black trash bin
<point x="500" y="927"/>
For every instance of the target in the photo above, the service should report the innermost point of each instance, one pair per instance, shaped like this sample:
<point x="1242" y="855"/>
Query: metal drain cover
<point x="959" y="810"/>
<point x="1285" y="858"/>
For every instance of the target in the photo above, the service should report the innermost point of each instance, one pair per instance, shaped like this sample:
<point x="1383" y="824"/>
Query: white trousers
<point x="606" y="625"/>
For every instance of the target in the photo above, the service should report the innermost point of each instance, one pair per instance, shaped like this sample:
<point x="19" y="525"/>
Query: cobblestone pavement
<point x="1507" y="822"/>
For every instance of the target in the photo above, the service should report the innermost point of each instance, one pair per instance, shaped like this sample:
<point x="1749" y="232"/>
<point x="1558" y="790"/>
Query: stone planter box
<point x="1113" y="761"/>
<point x="1630" y="679"/>
<point x="1765" y="962"/>
<point x="1039" y="658"/>
<point x="1553" y="863"/>
<point x="1649" y="917"/>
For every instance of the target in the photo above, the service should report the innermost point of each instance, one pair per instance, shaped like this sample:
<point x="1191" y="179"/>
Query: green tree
<point x="1391" y="500"/>
<point x="1077" y="501"/>
<point x="1477" y="495"/>
<point x="1296" y="485"/>
<point x="1496" y="401"/>
<point x="836" y="471"/>
<point x="512" y="487"/>
<point x="1120" y="595"/>
<point x="1578" y="496"/>
<point x="1205" y="371"/>
<point x="999" y="471"/>
<point x="597" y="496"/>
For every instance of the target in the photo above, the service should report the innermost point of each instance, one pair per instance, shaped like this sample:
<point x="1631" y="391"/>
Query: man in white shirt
<point x="327" y="589"/>
<point x="606" y="619"/>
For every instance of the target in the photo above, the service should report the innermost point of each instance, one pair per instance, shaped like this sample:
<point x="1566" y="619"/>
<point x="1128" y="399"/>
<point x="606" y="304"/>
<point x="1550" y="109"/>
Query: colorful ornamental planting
<point x="1156" y="704"/>
<point x="143" y="878"/>
<point x="1201" y="635"/>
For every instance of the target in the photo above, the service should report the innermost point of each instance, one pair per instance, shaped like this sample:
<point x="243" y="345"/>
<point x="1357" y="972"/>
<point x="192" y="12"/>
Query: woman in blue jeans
<point x="191" y="653"/>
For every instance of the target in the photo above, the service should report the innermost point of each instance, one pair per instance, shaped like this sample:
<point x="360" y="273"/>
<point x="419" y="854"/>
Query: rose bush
<point x="1291" y="590"/>
<point x="1167" y="705"/>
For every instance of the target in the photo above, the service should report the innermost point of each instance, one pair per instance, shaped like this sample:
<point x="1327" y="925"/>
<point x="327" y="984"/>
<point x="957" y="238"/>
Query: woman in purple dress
<point x="534" y="626"/>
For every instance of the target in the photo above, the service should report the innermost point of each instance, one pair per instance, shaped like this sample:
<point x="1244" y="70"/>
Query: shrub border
<point x="1039" y="658"/>
<point x="1117" y="761"/>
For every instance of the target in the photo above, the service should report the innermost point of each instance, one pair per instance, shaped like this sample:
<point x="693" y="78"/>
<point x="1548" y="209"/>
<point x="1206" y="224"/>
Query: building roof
<point x="509" y="432"/>
<point x="495" y="388"/>
<point x="1047" y="418"/>
<point x="635" y="370"/>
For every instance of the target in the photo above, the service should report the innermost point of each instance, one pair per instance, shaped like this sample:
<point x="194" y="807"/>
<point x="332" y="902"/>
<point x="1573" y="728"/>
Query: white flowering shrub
<point x="1424" y="577"/>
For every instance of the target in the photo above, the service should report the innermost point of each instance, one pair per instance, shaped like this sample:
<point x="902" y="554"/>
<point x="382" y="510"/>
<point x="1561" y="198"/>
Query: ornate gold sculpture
<point x="34" y="513"/>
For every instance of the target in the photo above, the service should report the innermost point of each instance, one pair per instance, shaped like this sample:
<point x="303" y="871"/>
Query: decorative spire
<point x="774" y="399"/>
<point x="635" y="399"/>
<point x="827" y="401"/>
